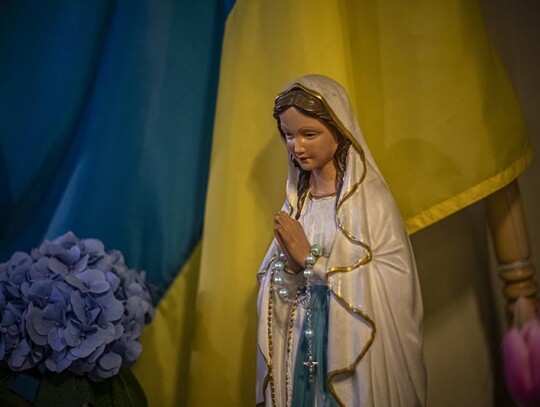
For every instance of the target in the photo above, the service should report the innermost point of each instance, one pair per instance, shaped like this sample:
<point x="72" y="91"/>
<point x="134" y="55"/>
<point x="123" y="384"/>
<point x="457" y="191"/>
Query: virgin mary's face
<point x="308" y="140"/>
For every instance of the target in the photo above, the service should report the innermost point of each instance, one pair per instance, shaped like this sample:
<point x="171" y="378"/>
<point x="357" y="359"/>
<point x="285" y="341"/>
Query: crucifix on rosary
<point x="311" y="364"/>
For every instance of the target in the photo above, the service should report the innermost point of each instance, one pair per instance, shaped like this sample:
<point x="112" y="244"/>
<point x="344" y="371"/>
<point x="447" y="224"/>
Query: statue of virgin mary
<point x="339" y="304"/>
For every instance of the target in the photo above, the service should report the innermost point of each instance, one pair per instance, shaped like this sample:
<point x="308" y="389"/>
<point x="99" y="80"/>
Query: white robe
<point x="319" y="224"/>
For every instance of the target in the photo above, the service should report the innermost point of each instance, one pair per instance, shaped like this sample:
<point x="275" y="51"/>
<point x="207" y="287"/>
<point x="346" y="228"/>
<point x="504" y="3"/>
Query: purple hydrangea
<point x="70" y="305"/>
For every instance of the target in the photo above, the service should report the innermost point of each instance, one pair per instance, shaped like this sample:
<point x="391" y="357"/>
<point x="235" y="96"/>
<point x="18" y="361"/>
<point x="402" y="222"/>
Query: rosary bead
<point x="283" y="292"/>
<point x="310" y="259"/>
<point x="316" y="250"/>
<point x="308" y="273"/>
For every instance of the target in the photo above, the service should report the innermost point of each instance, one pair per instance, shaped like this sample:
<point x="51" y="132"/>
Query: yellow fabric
<point x="163" y="365"/>
<point x="435" y="107"/>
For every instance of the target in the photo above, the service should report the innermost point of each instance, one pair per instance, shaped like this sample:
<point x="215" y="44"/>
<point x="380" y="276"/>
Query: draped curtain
<point x="144" y="123"/>
<point x="106" y="115"/>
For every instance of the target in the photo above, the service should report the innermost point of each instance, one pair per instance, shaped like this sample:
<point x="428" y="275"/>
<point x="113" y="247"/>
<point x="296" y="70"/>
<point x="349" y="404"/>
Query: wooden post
<point x="511" y="242"/>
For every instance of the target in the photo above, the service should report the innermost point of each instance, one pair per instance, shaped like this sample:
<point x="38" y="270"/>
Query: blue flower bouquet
<point x="71" y="315"/>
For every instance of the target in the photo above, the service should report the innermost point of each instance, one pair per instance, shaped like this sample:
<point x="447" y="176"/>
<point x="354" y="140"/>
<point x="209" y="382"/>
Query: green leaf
<point x="10" y="399"/>
<point x="6" y="376"/>
<point x="103" y="393"/>
<point x="7" y="397"/>
<point x="126" y="390"/>
<point x="64" y="389"/>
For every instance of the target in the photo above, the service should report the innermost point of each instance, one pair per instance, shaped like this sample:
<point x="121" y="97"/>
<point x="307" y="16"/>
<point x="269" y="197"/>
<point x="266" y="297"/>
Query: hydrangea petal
<point x="113" y="308"/>
<point x="93" y="246"/>
<point x="90" y="341"/>
<point x="59" y="361"/>
<point x="60" y="293"/>
<point x="71" y="255"/>
<point x="32" y="316"/>
<point x="132" y="349"/>
<point x="79" y="305"/>
<point x="92" y="315"/>
<point x="113" y="280"/>
<point x="18" y="359"/>
<point x="56" y="340"/>
<point x="82" y="264"/>
<point x="72" y="334"/>
<point x="95" y="280"/>
<point x="56" y="266"/>
<point x="96" y="354"/>
<point x="73" y="281"/>
<point x="110" y="360"/>
<point x="40" y="269"/>
<point x="84" y="349"/>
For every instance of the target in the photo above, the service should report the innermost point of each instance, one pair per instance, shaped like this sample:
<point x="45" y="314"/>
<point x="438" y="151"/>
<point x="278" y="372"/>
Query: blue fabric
<point x="106" y="116"/>
<point x="304" y="391"/>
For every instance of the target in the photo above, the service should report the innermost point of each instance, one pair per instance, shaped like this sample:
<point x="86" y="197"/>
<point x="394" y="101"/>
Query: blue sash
<point x="305" y="392"/>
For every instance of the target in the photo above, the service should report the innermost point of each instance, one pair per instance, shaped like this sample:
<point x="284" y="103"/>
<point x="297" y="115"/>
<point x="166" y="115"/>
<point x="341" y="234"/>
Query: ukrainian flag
<point x="437" y="111"/>
<point x="111" y="110"/>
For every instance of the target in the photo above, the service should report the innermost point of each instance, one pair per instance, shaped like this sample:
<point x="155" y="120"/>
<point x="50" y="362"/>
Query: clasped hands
<point x="292" y="239"/>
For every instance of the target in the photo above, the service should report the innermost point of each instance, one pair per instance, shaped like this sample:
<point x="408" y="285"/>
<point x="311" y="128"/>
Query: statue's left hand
<point x="292" y="239"/>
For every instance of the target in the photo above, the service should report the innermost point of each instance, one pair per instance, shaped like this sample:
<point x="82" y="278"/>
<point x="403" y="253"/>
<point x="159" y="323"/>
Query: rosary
<point x="305" y="301"/>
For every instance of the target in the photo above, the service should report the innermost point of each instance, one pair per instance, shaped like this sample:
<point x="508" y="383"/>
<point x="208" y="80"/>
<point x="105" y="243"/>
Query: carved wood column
<point x="511" y="242"/>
